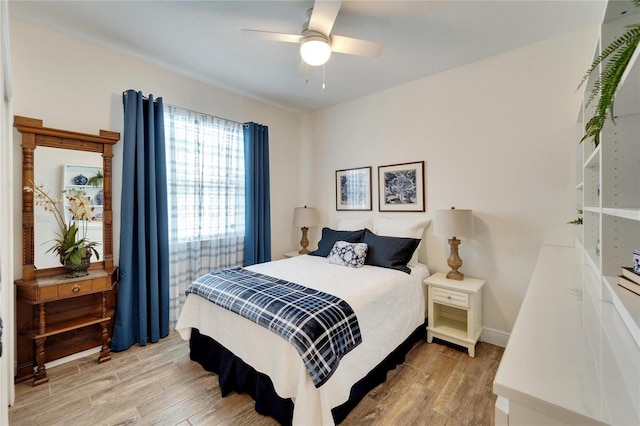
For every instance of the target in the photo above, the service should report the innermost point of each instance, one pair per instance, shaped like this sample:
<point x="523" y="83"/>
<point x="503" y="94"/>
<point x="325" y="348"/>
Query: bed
<point x="389" y="305"/>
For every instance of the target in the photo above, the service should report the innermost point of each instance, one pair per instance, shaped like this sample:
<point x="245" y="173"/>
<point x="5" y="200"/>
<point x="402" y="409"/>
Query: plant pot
<point x="78" y="270"/>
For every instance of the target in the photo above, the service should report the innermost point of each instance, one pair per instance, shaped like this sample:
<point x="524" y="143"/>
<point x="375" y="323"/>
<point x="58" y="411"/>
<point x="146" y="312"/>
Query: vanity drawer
<point x="100" y="283"/>
<point x="450" y="297"/>
<point x="58" y="287"/>
<point x="74" y="289"/>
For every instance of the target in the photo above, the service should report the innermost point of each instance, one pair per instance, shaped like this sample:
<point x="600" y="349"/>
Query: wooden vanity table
<point x="51" y="307"/>
<point x="59" y="316"/>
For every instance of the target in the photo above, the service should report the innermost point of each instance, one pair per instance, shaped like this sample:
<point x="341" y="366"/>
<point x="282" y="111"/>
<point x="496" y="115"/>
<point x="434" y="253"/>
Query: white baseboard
<point x="495" y="337"/>
<point x="73" y="357"/>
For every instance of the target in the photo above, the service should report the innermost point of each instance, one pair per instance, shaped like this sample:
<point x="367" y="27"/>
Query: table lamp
<point x="305" y="217"/>
<point x="454" y="223"/>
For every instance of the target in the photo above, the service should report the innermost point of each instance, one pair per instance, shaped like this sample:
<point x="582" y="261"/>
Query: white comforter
<point x="389" y="305"/>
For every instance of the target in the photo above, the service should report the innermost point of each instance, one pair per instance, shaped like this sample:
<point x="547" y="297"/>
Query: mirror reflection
<point x="77" y="173"/>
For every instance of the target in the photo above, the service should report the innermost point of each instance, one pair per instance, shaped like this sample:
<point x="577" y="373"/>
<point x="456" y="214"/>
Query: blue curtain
<point x="142" y="313"/>
<point x="257" y="239"/>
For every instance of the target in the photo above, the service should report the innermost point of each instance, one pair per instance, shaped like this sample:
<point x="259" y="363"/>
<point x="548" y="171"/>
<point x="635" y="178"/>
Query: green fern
<point x="618" y="55"/>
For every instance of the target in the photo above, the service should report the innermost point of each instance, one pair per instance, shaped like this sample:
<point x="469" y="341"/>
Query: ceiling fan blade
<point x="323" y="16"/>
<point x="355" y="46"/>
<point x="267" y="35"/>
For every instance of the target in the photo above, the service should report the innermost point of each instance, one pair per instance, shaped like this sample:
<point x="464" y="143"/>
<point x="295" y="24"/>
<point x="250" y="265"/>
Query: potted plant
<point x="618" y="55"/>
<point x="71" y="244"/>
<point x="96" y="180"/>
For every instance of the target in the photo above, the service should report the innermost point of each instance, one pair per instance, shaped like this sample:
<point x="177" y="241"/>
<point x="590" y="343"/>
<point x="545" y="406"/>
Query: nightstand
<point x="291" y="254"/>
<point x="455" y="310"/>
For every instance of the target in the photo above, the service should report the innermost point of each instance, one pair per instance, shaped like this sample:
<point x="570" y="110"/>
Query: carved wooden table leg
<point x="41" y="371"/>
<point x="105" y="352"/>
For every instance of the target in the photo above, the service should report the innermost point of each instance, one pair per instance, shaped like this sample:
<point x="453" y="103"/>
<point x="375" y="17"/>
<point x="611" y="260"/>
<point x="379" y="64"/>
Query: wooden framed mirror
<point x="58" y="315"/>
<point x="34" y="135"/>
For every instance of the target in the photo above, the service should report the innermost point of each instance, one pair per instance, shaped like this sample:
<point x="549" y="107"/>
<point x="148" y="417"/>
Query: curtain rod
<point x="186" y="109"/>
<point x="146" y="98"/>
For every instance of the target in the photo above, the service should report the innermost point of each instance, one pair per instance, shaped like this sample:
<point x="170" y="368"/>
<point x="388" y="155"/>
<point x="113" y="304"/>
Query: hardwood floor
<point x="158" y="384"/>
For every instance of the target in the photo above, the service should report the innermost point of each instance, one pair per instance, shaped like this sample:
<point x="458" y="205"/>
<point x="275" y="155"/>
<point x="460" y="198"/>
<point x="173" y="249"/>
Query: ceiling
<point x="203" y="40"/>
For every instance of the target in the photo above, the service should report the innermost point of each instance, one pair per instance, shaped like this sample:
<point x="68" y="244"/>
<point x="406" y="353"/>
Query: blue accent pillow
<point x="351" y="255"/>
<point x="389" y="252"/>
<point x="330" y="236"/>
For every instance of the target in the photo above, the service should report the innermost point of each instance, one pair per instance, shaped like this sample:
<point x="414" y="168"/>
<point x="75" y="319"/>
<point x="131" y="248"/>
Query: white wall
<point x="73" y="85"/>
<point x="497" y="137"/>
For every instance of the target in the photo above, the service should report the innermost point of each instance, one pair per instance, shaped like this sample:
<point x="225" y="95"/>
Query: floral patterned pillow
<point x="347" y="254"/>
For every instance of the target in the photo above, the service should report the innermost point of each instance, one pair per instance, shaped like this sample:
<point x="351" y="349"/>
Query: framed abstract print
<point x="353" y="189"/>
<point x="401" y="187"/>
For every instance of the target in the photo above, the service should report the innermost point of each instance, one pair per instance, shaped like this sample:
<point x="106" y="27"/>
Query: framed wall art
<point x="401" y="187"/>
<point x="353" y="189"/>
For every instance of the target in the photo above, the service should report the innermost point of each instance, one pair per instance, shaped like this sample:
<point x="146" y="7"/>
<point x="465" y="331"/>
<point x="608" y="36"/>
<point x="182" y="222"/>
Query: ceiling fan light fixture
<point x="315" y="50"/>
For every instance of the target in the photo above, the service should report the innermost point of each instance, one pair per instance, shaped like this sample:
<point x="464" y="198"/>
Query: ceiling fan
<point x="316" y="40"/>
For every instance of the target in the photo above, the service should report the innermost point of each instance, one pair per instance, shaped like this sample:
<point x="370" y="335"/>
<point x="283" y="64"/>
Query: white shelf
<point x="451" y="327"/>
<point x="81" y="186"/>
<point x="627" y="213"/>
<point x="580" y="185"/>
<point x="591" y="209"/>
<point x="594" y="159"/>
<point x="627" y="304"/>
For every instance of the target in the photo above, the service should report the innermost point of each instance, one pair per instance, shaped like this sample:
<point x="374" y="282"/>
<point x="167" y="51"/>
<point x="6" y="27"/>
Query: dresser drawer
<point x="450" y="297"/>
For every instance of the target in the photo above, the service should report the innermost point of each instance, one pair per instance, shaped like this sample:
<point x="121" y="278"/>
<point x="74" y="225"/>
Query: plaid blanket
<point x="321" y="327"/>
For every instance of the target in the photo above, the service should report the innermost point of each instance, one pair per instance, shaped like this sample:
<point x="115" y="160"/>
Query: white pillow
<point x="401" y="228"/>
<point x="351" y="255"/>
<point x="355" y="224"/>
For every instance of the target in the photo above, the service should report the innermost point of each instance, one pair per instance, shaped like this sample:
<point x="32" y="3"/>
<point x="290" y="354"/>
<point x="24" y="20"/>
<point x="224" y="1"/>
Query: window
<point x="205" y="172"/>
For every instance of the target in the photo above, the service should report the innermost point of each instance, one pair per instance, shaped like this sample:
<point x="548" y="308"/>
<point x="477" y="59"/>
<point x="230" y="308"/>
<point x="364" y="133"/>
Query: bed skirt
<point x="235" y="375"/>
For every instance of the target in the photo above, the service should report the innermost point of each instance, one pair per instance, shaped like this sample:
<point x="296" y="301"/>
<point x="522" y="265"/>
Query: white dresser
<point x="570" y="358"/>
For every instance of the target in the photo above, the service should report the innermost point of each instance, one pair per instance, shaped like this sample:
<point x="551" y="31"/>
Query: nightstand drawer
<point x="449" y="297"/>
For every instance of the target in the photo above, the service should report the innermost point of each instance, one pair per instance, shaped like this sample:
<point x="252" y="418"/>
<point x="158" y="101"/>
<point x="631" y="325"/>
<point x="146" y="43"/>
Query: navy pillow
<point x="330" y="237"/>
<point x="389" y="252"/>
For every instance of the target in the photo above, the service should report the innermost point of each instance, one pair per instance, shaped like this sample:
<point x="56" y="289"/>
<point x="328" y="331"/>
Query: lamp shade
<point x="305" y="216"/>
<point x="454" y="223"/>
<point x="315" y="50"/>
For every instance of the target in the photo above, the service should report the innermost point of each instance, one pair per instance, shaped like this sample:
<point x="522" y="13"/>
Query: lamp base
<point x="454" y="261"/>
<point x="304" y="242"/>
<point x="455" y="275"/>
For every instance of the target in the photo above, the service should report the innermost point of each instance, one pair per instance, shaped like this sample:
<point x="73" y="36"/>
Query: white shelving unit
<point x="69" y="174"/>
<point x="573" y="355"/>
<point x="94" y="231"/>
<point x="608" y="183"/>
